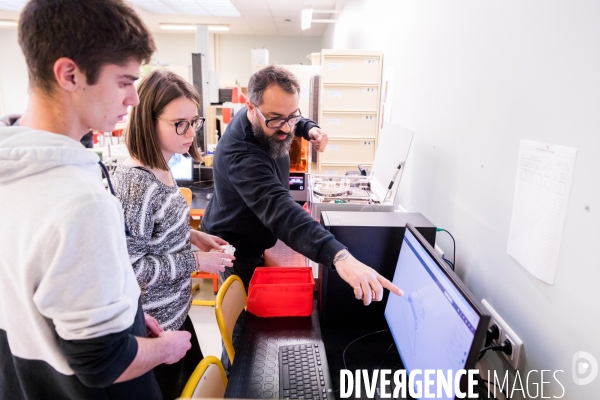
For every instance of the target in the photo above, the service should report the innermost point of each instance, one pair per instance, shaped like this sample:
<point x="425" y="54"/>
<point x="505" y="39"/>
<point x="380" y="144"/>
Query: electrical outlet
<point x="505" y="333"/>
<point x="439" y="251"/>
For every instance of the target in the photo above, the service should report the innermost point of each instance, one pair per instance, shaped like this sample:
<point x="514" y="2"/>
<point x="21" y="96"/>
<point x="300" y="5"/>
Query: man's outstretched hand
<point x="367" y="284"/>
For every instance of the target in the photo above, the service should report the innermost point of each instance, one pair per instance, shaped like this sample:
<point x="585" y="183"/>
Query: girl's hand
<point x="213" y="262"/>
<point x="206" y="242"/>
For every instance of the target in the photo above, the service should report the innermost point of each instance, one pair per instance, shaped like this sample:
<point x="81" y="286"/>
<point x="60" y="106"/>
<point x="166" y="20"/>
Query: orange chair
<point x="206" y="275"/>
<point x="198" y="213"/>
<point x="187" y="195"/>
<point x="208" y="381"/>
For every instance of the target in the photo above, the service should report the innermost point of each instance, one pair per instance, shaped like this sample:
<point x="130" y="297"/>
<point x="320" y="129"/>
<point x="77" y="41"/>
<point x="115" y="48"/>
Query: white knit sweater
<point x="159" y="246"/>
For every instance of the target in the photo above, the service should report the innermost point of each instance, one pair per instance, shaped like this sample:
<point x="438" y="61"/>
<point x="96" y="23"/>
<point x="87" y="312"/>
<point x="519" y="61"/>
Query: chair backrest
<point x="187" y="195"/>
<point x="208" y="381"/>
<point x="231" y="300"/>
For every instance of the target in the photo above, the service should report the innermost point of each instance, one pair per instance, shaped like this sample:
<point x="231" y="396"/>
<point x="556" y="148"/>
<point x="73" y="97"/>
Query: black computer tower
<point x="374" y="238"/>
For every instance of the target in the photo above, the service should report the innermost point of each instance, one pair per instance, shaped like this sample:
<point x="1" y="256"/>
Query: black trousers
<point x="172" y="378"/>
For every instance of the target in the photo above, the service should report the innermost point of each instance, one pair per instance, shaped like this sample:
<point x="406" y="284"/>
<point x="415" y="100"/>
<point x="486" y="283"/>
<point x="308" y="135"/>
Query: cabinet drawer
<point x="356" y="151"/>
<point x="340" y="169"/>
<point x="351" y="69"/>
<point x="349" y="125"/>
<point x="350" y="98"/>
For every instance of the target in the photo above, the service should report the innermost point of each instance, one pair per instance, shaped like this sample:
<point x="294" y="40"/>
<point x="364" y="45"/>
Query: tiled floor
<point x="204" y="320"/>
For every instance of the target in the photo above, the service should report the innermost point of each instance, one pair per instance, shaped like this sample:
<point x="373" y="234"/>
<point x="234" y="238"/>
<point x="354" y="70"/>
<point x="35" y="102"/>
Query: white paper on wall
<point x="542" y="189"/>
<point x="260" y="57"/>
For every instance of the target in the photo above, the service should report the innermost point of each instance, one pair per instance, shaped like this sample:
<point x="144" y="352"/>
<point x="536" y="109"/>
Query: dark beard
<point x="277" y="148"/>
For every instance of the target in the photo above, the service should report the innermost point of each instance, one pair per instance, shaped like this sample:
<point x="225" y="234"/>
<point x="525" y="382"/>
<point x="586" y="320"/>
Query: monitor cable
<point x="349" y="344"/>
<point x="363" y="336"/>
<point x="493" y="333"/>
<point x="504" y="347"/>
<point x="450" y="263"/>
<point x="485" y="383"/>
<point x="204" y="185"/>
<point x="385" y="354"/>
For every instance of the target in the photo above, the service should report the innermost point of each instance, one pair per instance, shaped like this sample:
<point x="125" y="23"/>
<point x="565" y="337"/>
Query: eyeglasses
<point x="276" y="123"/>
<point x="181" y="127"/>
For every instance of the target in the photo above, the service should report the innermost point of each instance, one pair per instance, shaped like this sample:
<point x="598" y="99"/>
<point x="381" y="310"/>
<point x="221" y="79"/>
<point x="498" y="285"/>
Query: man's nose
<point x="132" y="98"/>
<point x="285" y="127"/>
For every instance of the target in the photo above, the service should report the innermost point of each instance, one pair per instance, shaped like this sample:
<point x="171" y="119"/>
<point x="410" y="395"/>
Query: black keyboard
<point x="303" y="372"/>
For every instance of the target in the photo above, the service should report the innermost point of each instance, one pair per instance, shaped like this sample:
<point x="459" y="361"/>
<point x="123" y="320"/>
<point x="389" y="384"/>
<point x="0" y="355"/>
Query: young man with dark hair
<point x="71" y="323"/>
<point x="251" y="206"/>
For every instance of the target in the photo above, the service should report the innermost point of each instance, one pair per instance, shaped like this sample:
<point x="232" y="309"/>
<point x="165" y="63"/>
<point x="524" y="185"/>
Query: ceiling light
<point x="324" y="21"/>
<point x="218" y="28"/>
<point x="12" y="24"/>
<point x="306" y="18"/>
<point x="178" y="27"/>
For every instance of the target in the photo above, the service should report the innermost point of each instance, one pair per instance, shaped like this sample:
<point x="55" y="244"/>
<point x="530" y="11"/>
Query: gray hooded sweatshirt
<point x="69" y="300"/>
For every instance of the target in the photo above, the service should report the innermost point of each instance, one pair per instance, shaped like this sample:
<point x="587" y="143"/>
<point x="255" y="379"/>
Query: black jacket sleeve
<point x="303" y="126"/>
<point x="255" y="177"/>
<point x="98" y="362"/>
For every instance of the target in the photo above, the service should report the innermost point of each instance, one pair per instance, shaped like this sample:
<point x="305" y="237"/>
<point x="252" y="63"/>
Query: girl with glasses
<point x="162" y="125"/>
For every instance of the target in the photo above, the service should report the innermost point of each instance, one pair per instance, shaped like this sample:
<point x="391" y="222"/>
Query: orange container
<point x="226" y="111"/>
<point x="281" y="292"/>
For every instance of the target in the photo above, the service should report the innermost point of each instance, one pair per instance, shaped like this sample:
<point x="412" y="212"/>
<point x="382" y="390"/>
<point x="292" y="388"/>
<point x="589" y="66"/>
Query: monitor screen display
<point x="434" y="325"/>
<point x="182" y="168"/>
<point x="296" y="181"/>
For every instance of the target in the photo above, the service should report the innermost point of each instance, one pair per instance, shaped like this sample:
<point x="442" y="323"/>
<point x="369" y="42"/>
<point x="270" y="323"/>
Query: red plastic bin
<point x="281" y="292"/>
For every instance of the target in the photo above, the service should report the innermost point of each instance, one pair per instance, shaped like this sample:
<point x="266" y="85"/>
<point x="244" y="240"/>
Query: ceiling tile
<point x="243" y="3"/>
<point x="260" y="21"/>
<point x="254" y="13"/>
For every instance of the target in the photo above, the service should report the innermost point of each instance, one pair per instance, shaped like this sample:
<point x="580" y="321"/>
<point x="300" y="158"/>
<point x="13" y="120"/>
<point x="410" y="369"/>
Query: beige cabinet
<point x="350" y="92"/>
<point x="351" y="97"/>
<point x="359" y="151"/>
<point x="349" y="124"/>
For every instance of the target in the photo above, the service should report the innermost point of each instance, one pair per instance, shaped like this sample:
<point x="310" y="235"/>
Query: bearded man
<point x="251" y="206"/>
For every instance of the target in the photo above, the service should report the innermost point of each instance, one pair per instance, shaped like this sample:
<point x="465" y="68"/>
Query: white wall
<point x="174" y="48"/>
<point x="13" y="74"/>
<point x="235" y="62"/>
<point x="473" y="78"/>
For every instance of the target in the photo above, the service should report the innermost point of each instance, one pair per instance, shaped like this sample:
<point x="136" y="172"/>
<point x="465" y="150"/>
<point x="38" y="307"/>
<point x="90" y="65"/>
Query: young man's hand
<point x="174" y="345"/>
<point x="153" y="328"/>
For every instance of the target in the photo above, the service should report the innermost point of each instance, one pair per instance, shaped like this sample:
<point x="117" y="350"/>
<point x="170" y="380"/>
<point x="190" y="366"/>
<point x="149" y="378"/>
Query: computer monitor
<point x="182" y="168"/>
<point x="436" y="325"/>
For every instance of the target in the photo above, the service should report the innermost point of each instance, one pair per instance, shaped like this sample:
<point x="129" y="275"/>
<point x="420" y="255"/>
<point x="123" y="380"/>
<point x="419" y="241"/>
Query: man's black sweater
<point x="251" y="206"/>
